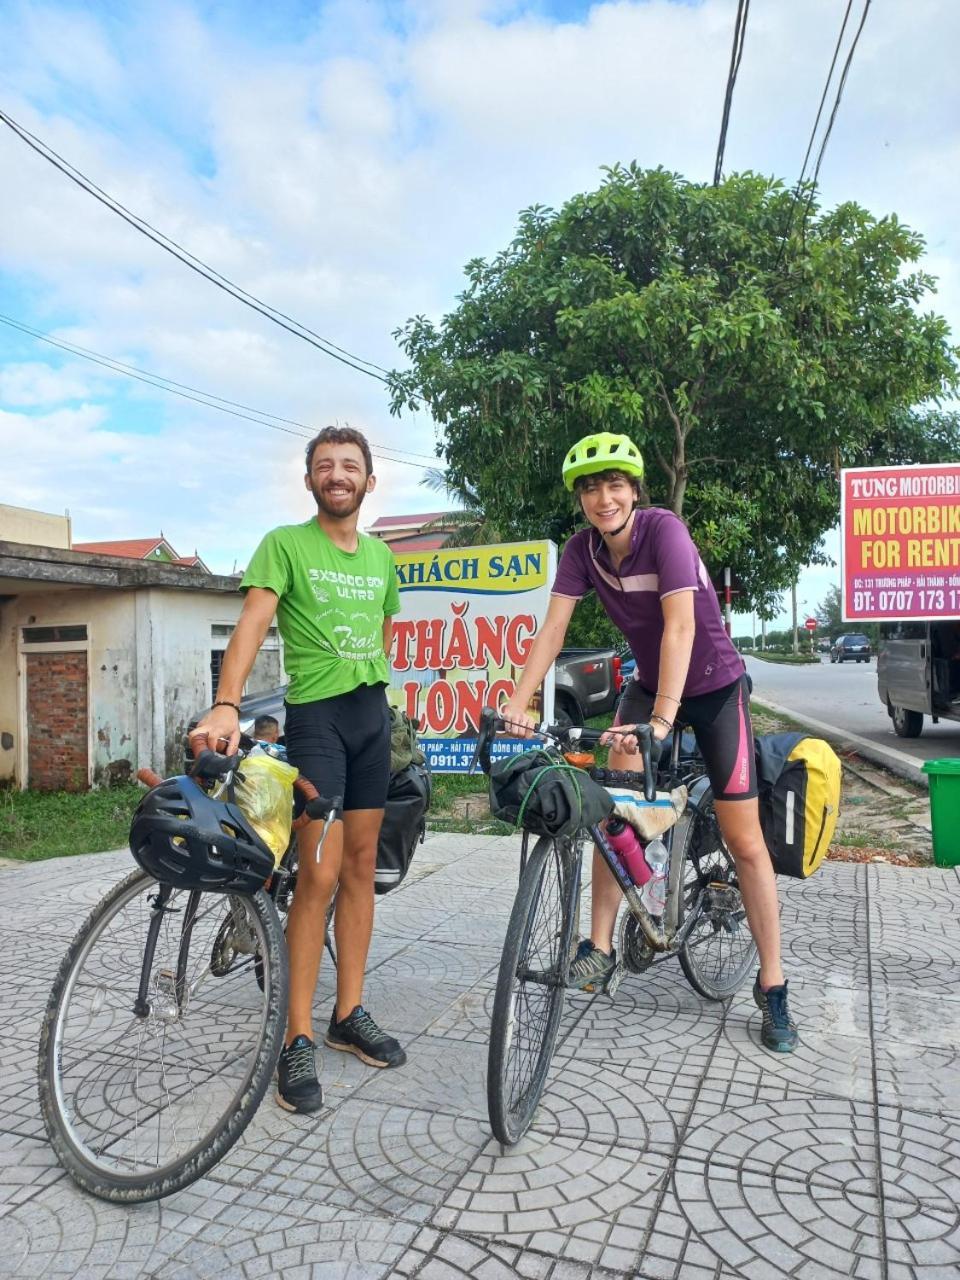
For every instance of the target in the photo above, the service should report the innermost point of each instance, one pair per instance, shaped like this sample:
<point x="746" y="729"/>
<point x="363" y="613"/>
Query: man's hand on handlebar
<point x="218" y="730"/>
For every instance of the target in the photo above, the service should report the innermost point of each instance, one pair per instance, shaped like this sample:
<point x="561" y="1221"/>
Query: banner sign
<point x="900" y="542"/>
<point x="468" y="619"/>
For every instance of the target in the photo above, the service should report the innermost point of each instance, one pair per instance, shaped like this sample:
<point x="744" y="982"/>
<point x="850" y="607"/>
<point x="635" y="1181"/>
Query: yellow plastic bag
<point x="264" y="788"/>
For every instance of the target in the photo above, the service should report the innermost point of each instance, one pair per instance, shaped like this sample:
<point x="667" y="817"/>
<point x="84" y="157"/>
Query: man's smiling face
<point x="338" y="479"/>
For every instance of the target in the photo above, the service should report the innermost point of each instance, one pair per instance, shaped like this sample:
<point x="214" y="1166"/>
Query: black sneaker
<point x="359" y="1034"/>
<point x="591" y="967"/>
<point x="298" y="1088"/>
<point x="779" y="1031"/>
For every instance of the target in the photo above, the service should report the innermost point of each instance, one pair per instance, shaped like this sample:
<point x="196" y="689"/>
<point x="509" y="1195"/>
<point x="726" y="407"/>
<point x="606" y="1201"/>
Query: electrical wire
<point x="189" y="260"/>
<point x="797" y="193"/>
<point x="210" y="401"/>
<point x="736" y="53"/>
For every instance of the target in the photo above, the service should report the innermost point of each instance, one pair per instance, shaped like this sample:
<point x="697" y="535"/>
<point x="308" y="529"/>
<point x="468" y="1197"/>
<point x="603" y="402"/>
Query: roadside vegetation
<point x="55" y="824"/>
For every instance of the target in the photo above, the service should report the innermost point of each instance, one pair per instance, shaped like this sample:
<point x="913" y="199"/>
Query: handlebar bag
<point x="799" y="782"/>
<point x="544" y="795"/>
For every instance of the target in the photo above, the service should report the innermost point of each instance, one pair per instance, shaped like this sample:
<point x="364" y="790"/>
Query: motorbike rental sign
<point x="467" y="622"/>
<point x="900" y="542"/>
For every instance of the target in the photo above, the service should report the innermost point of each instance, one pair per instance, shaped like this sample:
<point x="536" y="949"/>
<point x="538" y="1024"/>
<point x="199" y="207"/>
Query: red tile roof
<point x="133" y="548"/>
<point x="415" y="521"/>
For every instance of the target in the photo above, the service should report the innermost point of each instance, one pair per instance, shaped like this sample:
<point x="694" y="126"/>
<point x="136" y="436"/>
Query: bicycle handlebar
<point x="491" y="724"/>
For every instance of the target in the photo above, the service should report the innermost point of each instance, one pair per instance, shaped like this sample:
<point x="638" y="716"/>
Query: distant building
<point x="413" y="533"/>
<point x="157" y="550"/>
<point x="107" y="651"/>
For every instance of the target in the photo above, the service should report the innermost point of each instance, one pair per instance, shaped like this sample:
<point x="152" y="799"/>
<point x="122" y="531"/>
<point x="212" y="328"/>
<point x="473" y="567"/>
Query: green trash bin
<point x="944" y="778"/>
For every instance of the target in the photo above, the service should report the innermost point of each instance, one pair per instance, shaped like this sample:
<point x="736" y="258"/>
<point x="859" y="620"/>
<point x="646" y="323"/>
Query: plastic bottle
<point x="654" y="893"/>
<point x="626" y="844"/>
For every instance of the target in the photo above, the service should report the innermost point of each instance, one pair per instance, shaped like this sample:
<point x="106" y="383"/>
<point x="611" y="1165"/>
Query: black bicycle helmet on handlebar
<point x="182" y="836"/>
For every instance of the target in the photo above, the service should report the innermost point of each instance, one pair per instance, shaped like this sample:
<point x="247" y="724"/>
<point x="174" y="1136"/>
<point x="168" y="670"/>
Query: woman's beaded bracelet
<point x="663" y="720"/>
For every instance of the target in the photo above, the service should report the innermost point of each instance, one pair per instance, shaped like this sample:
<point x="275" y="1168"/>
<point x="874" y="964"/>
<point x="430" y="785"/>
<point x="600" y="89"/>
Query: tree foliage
<point x="750" y="352"/>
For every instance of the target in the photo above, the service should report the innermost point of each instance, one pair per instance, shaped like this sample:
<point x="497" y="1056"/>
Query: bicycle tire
<point x="720" y="952"/>
<point x="113" y="1083"/>
<point x="540" y="929"/>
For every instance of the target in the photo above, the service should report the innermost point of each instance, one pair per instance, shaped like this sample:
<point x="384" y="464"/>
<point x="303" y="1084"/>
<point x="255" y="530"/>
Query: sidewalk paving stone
<point x="669" y="1144"/>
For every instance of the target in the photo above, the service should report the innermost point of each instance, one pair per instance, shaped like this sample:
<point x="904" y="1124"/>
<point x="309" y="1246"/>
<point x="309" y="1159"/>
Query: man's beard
<point x="339" y="511"/>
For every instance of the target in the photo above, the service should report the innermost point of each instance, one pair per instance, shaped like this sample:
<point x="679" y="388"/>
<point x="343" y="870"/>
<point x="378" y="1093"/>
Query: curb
<point x="897" y="762"/>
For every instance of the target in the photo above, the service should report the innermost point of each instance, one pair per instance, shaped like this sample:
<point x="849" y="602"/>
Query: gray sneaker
<point x="592" y="968"/>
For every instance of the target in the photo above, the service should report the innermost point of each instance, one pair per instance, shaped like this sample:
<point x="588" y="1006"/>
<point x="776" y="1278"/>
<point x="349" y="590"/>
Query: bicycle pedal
<point x="612" y="984"/>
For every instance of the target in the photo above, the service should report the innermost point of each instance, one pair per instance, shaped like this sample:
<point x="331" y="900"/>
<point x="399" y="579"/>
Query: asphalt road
<point x="845" y="695"/>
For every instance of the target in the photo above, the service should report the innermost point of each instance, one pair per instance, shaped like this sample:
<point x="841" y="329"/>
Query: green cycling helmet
<point x="604" y="451"/>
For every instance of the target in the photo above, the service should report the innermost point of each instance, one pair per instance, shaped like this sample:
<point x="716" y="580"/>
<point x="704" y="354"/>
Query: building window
<point x="54" y="635"/>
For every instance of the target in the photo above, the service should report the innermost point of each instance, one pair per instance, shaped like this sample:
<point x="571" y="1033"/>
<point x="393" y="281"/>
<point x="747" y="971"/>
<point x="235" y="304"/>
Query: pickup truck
<point x="588" y="683"/>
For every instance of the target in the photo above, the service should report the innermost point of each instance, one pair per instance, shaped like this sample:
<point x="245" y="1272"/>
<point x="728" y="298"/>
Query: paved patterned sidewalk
<point x="668" y="1145"/>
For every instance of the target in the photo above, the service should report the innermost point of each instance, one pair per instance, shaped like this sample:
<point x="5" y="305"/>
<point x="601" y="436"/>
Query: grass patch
<point x="53" y="824"/>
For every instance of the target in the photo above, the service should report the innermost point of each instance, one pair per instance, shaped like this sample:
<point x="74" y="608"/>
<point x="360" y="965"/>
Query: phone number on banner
<point x="448" y="755"/>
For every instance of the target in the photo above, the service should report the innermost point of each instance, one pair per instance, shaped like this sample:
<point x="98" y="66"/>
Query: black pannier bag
<point x="404" y="824"/>
<point x="536" y="791"/>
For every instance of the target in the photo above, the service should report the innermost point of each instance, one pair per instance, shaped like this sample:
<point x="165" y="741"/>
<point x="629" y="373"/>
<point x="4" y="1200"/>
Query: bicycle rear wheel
<point x="139" y="1104"/>
<point x="720" y="952"/>
<point x="530" y="987"/>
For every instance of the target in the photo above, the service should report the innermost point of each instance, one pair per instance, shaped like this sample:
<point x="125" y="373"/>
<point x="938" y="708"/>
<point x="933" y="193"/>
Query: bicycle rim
<point x="139" y="1106"/>
<point x="530" y="989"/>
<point x="720" y="952"/>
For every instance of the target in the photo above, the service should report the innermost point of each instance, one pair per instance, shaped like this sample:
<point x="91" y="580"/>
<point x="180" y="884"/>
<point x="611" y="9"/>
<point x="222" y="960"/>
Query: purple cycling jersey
<point x="661" y="561"/>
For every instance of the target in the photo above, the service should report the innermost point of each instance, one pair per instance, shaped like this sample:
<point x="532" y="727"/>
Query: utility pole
<point x="793" y="602"/>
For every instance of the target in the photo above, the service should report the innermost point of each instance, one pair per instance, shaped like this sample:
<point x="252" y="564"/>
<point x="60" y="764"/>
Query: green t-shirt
<point x="332" y="607"/>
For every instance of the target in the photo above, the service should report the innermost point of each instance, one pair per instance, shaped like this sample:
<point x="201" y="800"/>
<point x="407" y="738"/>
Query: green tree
<point x="749" y="361"/>
<point x="828" y="614"/>
<point x="467" y="526"/>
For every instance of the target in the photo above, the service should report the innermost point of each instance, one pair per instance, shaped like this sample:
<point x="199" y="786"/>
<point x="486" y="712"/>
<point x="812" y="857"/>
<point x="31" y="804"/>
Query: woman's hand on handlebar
<point x="517" y="724"/>
<point x="218" y="730"/>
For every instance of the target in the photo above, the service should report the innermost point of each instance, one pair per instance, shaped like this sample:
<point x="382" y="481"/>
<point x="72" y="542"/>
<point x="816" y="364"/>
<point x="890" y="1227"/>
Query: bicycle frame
<point x="667" y="934"/>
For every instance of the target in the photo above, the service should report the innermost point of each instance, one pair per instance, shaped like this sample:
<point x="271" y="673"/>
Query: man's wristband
<point x="222" y="703"/>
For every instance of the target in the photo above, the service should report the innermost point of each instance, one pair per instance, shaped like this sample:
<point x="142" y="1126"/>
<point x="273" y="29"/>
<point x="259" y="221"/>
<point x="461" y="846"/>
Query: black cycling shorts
<point x="342" y="745"/>
<point x="721" y="724"/>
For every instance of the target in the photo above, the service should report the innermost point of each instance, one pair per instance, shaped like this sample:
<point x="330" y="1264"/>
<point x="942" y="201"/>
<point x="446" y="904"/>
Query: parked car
<point x="851" y="648"/>
<point x="918" y="673"/>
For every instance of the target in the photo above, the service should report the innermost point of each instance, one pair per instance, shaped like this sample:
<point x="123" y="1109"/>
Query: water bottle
<point x="654" y="893"/>
<point x="622" y="838"/>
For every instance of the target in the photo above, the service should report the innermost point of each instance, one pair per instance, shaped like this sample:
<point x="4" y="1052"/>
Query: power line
<point x="205" y="398"/>
<point x="797" y="195"/>
<point x="736" y="53"/>
<point x="194" y="263"/>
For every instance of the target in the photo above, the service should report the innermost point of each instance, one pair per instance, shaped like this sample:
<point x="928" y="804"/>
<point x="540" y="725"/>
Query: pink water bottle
<point x="623" y="839"/>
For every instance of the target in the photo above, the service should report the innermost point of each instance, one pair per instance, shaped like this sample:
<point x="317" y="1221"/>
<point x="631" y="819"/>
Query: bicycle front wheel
<point x="140" y="1098"/>
<point x="530" y="987"/>
<point x="720" y="952"/>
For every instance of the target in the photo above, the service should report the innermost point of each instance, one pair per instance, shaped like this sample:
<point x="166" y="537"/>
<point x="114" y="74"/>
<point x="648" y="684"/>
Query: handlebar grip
<point x="318" y="807"/>
<point x="149" y="778"/>
<point x="210" y="764"/>
<point x="306" y="788"/>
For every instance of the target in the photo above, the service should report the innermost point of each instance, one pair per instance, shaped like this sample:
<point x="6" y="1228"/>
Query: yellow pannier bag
<point x="264" y="790"/>
<point x="799" y="782"/>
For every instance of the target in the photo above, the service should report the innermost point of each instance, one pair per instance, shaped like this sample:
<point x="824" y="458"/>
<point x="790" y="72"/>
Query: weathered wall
<point x="57" y="721"/>
<point x="20" y="524"/>
<point x="148" y="659"/>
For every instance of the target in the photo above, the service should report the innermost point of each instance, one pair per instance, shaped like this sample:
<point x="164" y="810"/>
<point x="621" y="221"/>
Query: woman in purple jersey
<point x="648" y="575"/>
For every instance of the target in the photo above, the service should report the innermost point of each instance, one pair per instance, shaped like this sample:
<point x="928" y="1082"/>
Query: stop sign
<point x="811" y="624"/>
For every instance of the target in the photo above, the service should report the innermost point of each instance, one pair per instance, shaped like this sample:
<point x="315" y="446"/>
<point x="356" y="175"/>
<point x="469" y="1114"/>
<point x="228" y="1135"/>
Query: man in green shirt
<point x="334" y="593"/>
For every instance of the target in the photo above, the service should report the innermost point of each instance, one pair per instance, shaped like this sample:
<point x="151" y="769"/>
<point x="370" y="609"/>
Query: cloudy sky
<point x="342" y="161"/>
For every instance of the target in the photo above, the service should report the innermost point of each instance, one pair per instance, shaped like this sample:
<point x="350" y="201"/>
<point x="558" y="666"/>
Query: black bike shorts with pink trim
<point x="720" y="721"/>
<point x="342" y="745"/>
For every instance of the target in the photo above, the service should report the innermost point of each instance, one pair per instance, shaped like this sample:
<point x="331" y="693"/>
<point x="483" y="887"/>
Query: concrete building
<point x="105" y="659"/>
